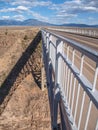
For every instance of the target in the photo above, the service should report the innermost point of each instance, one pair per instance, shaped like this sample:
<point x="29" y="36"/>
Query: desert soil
<point x="28" y="108"/>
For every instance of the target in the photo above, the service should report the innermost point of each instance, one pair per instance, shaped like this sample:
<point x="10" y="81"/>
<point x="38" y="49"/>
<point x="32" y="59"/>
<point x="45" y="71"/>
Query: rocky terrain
<point x="23" y="106"/>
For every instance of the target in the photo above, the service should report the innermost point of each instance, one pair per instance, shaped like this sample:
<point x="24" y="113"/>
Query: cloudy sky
<point x="52" y="11"/>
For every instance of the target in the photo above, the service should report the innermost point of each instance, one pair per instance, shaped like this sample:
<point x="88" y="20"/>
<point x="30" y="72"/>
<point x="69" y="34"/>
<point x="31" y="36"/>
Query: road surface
<point x="84" y="40"/>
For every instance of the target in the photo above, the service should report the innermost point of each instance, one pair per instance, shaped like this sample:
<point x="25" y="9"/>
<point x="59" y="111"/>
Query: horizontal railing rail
<point x="72" y="79"/>
<point x="91" y="32"/>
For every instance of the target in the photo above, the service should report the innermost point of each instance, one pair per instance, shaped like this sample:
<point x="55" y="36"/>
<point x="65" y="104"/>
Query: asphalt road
<point x="84" y="40"/>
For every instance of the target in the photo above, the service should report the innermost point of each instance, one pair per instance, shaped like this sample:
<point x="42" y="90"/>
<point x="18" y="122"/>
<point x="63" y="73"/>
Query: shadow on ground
<point x="29" y="62"/>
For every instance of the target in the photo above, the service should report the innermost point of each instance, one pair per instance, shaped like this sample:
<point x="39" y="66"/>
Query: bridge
<point x="69" y="71"/>
<point x="71" y="68"/>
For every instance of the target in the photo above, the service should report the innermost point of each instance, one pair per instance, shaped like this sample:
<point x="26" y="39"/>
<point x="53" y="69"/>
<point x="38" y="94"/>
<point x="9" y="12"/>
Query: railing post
<point x="55" y="108"/>
<point x="50" y="92"/>
<point x="57" y="80"/>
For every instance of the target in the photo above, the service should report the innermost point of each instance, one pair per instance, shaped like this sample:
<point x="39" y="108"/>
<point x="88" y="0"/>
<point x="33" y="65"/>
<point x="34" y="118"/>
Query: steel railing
<point x="91" y="32"/>
<point x="72" y="80"/>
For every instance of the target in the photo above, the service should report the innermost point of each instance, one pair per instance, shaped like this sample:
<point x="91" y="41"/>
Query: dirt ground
<point x="13" y="42"/>
<point x="28" y="107"/>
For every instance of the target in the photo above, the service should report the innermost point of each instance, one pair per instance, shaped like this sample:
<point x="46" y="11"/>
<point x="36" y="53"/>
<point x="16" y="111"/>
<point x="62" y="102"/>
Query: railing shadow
<point x="25" y="65"/>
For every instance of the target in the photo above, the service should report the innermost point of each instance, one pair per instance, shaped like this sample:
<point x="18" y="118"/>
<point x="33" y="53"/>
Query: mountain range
<point x="34" y="22"/>
<point x="28" y="22"/>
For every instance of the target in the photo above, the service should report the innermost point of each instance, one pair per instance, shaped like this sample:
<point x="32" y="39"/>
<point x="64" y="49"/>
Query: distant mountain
<point x="28" y="22"/>
<point x="34" y="22"/>
<point x="9" y="22"/>
<point x="78" y="25"/>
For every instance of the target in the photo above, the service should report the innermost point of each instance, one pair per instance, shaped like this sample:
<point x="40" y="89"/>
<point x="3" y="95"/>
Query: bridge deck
<point x="84" y="40"/>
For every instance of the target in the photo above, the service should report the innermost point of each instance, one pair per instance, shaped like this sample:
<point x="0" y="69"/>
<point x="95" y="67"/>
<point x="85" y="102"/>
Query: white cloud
<point x="5" y="17"/>
<point x="88" y="8"/>
<point x="7" y="10"/>
<point x="31" y="3"/>
<point x="15" y="17"/>
<point x="42" y="3"/>
<point x="66" y="15"/>
<point x="17" y="9"/>
<point x="39" y="16"/>
<point x="22" y="8"/>
<point x="68" y="10"/>
<point x="75" y="6"/>
<point x="23" y="2"/>
<point x="19" y="17"/>
<point x="60" y="18"/>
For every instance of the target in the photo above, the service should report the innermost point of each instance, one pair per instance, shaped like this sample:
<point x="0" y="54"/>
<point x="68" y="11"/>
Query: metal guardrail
<point x="72" y="80"/>
<point x="91" y="32"/>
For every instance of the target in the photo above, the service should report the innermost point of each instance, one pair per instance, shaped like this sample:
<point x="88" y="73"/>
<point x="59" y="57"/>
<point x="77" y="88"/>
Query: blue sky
<point x="52" y="11"/>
